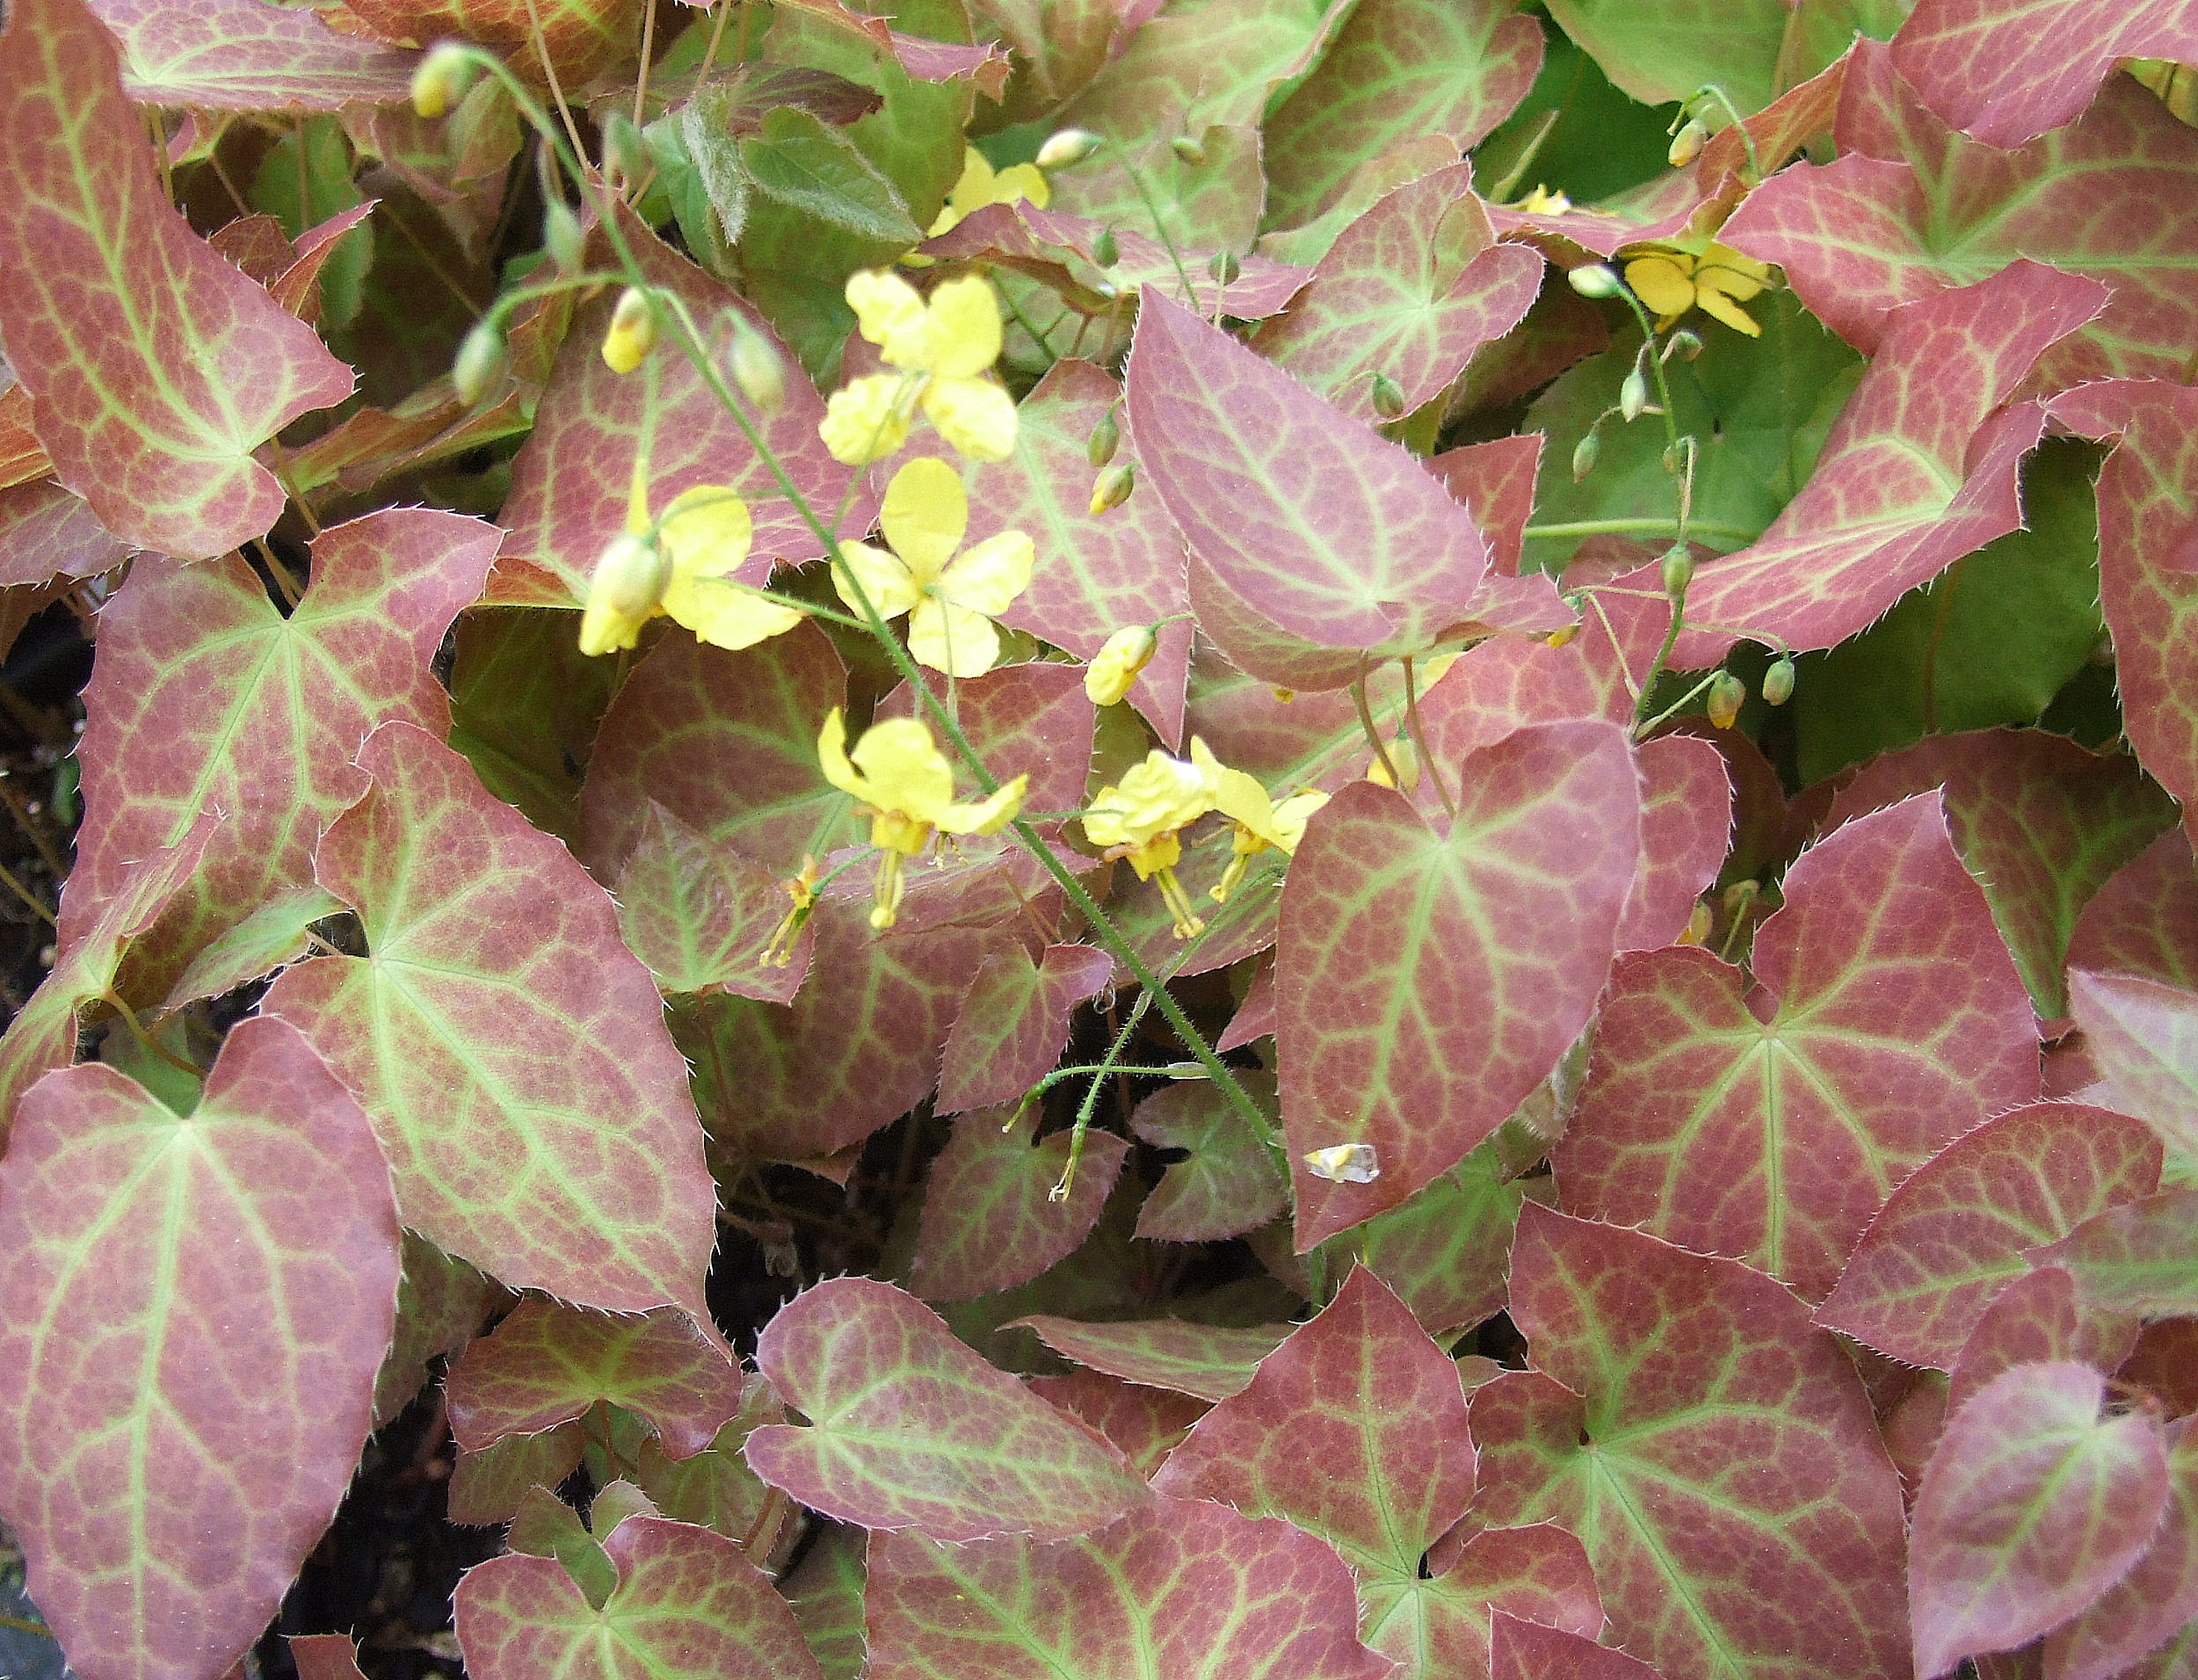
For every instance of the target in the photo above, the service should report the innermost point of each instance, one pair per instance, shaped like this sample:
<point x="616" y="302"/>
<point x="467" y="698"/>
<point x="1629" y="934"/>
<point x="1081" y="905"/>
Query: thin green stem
<point x="1152" y="208"/>
<point x="1641" y="731"/>
<point x="1637" y="528"/>
<point x="1085" y="1109"/>
<point x="146" y="1041"/>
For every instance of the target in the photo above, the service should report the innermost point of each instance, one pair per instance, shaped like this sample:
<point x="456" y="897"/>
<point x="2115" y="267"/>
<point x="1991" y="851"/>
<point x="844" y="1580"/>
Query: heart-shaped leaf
<point x="702" y="916"/>
<point x="991" y="1218"/>
<point x="2156" y="1596"/>
<point x="241" y="56"/>
<point x="1208" y="1360"/>
<point x="2144" y="1036"/>
<point x="2144" y="920"/>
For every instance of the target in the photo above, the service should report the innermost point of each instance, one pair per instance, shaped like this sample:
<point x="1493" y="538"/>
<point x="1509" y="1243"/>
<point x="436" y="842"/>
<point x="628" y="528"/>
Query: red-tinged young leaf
<point x="205" y="697"/>
<point x="1771" y="1121"/>
<point x="2039" y="1316"/>
<point x="1686" y="830"/>
<point x="1058" y="48"/>
<point x="703" y="915"/>
<point x="545" y="1527"/>
<point x="1520" y="1649"/>
<point x="1539" y="1572"/>
<point x="1398" y="70"/>
<point x="1383" y="915"/>
<point x="2156" y="1596"/>
<point x="582" y="36"/>
<point x="509" y="1049"/>
<point x="1911" y="210"/>
<point x="2144" y="1035"/>
<point x="1221" y="63"/>
<point x="1146" y="1423"/>
<point x="192" y="1312"/>
<point x="1447" y="1250"/>
<point x="46" y="532"/>
<point x="492" y="1485"/>
<point x="1408" y="292"/>
<point x="1204" y="1360"/>
<point x="726" y="743"/>
<point x="1353" y="1429"/>
<point x="273" y="937"/>
<point x="2041" y="823"/>
<point x="2139" y="1257"/>
<point x="2144" y="920"/>
<point x="1919" y="469"/>
<point x="1956" y="1229"/>
<point x="325" y="1656"/>
<point x="687" y="1603"/>
<point x="156" y="369"/>
<point x="927" y="60"/>
<point x="991" y="1218"/>
<point x="1494" y="482"/>
<point x="2033" y="1506"/>
<point x="441" y="1303"/>
<point x="246" y="55"/>
<point x="912" y="1429"/>
<point x="791" y="1082"/>
<point x="2005" y="72"/>
<point x="547" y="1363"/>
<point x="1178" y="1588"/>
<point x="1230" y="1182"/>
<point x="1713" y="1450"/>
<point x="42" y="1037"/>
<point x="1014" y="1023"/>
<point x="1325" y="543"/>
<point x="714" y="1488"/>
<point x="1096" y="572"/>
<point x="571" y="479"/>
<point x="1254" y="1018"/>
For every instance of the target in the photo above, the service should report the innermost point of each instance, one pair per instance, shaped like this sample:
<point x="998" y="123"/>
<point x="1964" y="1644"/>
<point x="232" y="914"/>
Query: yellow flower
<point x="950" y="598"/>
<point x="1140" y="817"/>
<point x="1715" y="280"/>
<point x="899" y="774"/>
<point x="1543" y="202"/>
<point x="980" y="185"/>
<point x="943" y="348"/>
<point x="677" y="567"/>
<point x="1113" y="670"/>
<point x="1260" y="822"/>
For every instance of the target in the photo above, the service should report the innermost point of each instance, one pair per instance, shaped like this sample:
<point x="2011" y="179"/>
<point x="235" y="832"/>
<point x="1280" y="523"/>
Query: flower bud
<point x="1224" y="266"/>
<point x="1066" y="147"/>
<point x="633" y="331"/>
<point x="1344" y="1163"/>
<point x="441" y="79"/>
<point x="1113" y="670"/>
<point x="1687" y="145"/>
<point x="1679" y="570"/>
<point x="1778" y="682"/>
<point x="1594" y="281"/>
<point x="626" y="158"/>
<point x="629" y="580"/>
<point x="482" y="355"/>
<point x="1633" y="395"/>
<point x="1105" y="249"/>
<point x="1699" y="921"/>
<point x="1684" y="345"/>
<point x="1188" y="150"/>
<point x="1562" y="637"/>
<point x="1727" y="694"/>
<point x="1107" y="437"/>
<point x="1388" y="397"/>
<point x="757" y="367"/>
<point x="1584" y="453"/>
<point x="1114" y="485"/>
<point x="561" y="237"/>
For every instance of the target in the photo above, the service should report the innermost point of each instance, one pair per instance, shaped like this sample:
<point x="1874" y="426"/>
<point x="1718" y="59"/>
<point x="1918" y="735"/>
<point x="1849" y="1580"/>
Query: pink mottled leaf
<point x="1231" y="1182"/>
<point x="1918" y="470"/>
<point x="1495" y="481"/>
<point x="248" y="55"/>
<point x="1205" y="1360"/>
<point x="2144" y="919"/>
<point x="582" y="36"/>
<point x="1408" y="292"/>
<point x="714" y="1487"/>
<point x="1910" y="211"/>
<point x="2007" y="72"/>
<point x="2158" y="1595"/>
<point x="1447" y="1250"/>
<point x="990" y="1220"/>
<point x="1096" y="572"/>
<point x="1014" y="1023"/>
<point x="1539" y="1572"/>
<point x="441" y="1303"/>
<point x="204" y="695"/>
<point x="1327" y="543"/>
<point x="1956" y="1229"/>
<point x="46" y="533"/>
<point x="325" y="1656"/>
<point x="1527" y="1650"/>
<point x="1383" y="915"/>
<point x="687" y="1603"/>
<point x="2033" y="1505"/>
<point x="928" y="61"/>
<point x="192" y="1313"/>
<point x="1686" y="830"/>
<point x="700" y="916"/>
<point x="1397" y="71"/>
<point x="510" y="1051"/>
<point x="569" y="481"/>
<point x="1180" y="1588"/>
<point x="2140" y="1256"/>
<point x="1771" y="1121"/>
<point x="492" y="1485"/>
<point x="912" y="1429"/>
<point x="825" y="1589"/>
<point x="156" y="369"/>
<point x="2144" y="1035"/>
<point x="1713" y="1451"/>
<point x="1254" y="1018"/>
<point x="2041" y="1316"/>
<point x="1146" y="1423"/>
<point x="547" y="1363"/>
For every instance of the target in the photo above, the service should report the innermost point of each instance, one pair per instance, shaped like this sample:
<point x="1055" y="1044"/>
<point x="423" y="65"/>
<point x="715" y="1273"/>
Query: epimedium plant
<point x="1236" y="839"/>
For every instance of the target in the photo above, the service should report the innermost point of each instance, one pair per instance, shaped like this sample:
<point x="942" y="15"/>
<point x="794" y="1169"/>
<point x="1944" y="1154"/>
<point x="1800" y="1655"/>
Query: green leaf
<point x="800" y="162"/>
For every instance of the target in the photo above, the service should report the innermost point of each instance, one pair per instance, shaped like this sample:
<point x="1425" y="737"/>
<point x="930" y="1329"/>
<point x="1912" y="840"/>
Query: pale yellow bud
<point x="1113" y="670"/>
<point x="633" y="331"/>
<point x="758" y="367"/>
<point x="441" y="79"/>
<point x="1112" y="486"/>
<point x="629" y="581"/>
<point x="1067" y="148"/>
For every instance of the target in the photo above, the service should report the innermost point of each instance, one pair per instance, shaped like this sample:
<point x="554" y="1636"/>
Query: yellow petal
<point x="1240" y="798"/>
<point x="831" y="758"/>
<point x="1729" y="272"/>
<point x="965" y="329"/>
<point x="707" y="530"/>
<point x="1719" y="306"/>
<point x="726" y="614"/>
<point x="925" y="514"/>
<point x="904" y="770"/>
<point x="1025" y="182"/>
<point x="974" y="187"/>
<point x="1664" y="283"/>
<point x="951" y="639"/>
<point x="989" y="575"/>
<point x="986" y="815"/>
<point x="976" y="417"/>
<point x="884" y="579"/>
<point x="1158" y="796"/>
<point x="888" y="311"/>
<point x="1113" y="670"/>
<point x="623" y="591"/>
<point x="863" y="422"/>
<point x="1290" y="817"/>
